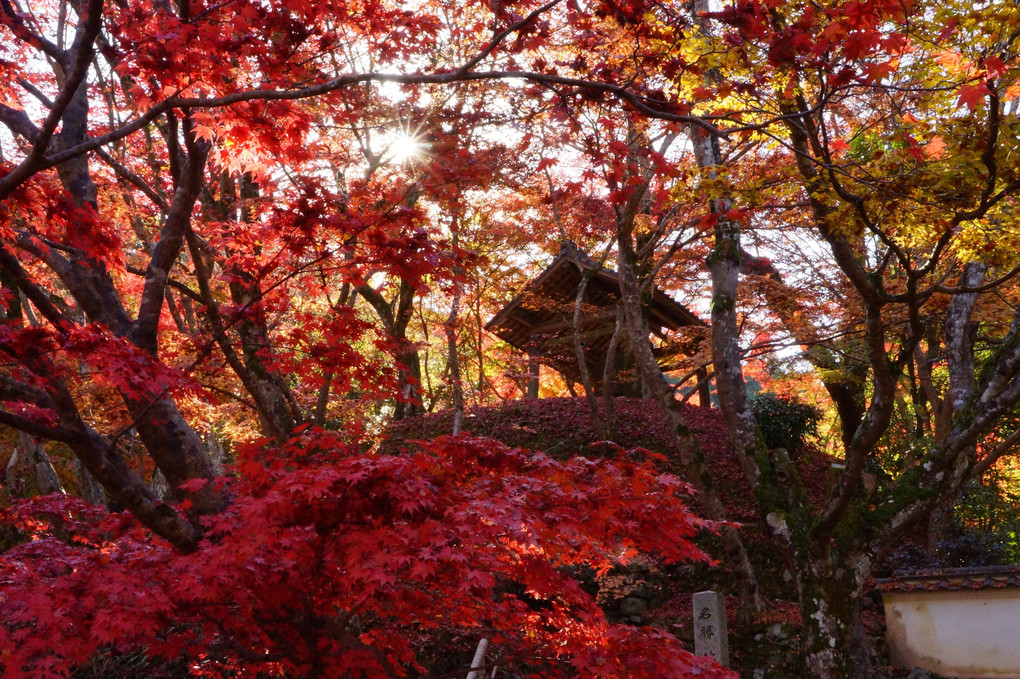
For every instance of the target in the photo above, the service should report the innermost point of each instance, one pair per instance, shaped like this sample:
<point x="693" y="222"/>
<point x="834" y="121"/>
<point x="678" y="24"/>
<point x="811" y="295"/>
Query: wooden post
<point x="533" y="371"/>
<point x="704" y="388"/>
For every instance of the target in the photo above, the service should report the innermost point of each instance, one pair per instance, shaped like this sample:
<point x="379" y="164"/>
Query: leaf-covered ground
<point x="562" y="427"/>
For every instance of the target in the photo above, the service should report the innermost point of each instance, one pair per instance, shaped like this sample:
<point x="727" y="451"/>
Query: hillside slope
<point x="562" y="427"/>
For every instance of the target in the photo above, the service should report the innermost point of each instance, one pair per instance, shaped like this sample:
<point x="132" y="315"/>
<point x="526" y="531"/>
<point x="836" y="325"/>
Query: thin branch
<point x="36" y="429"/>
<point x="134" y="180"/>
<point x="176" y="285"/>
<point x="36" y="159"/>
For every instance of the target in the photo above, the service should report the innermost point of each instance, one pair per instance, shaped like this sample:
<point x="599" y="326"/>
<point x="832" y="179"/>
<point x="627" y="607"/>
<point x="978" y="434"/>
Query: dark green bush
<point x="785" y="422"/>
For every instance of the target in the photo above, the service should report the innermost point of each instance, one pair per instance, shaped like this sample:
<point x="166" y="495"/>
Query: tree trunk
<point x="90" y="489"/>
<point x="396" y="315"/>
<point x="534" y="368"/>
<point x="267" y="388"/>
<point x="724" y="264"/>
<point x="940" y="528"/>
<point x="960" y="362"/>
<point x="30" y="472"/>
<point x="609" y="378"/>
<point x="110" y="469"/>
<point x="178" y="452"/>
<point x="408" y="362"/>
<point x="834" y="642"/>
<point x="688" y="450"/>
<point x="582" y="360"/>
<point x="453" y="361"/>
<point x="277" y="411"/>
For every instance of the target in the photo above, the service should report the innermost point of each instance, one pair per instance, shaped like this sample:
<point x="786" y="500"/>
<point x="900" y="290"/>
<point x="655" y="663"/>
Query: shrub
<point x="785" y="422"/>
<point x="335" y="563"/>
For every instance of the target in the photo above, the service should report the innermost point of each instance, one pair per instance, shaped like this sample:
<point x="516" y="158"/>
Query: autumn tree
<point x="652" y="232"/>
<point x="172" y="213"/>
<point x="189" y="208"/>
<point x="874" y="146"/>
<point x="206" y="172"/>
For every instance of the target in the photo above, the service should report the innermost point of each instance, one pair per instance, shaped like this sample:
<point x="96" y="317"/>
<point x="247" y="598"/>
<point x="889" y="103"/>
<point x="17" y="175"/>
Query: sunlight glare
<point x="404" y="148"/>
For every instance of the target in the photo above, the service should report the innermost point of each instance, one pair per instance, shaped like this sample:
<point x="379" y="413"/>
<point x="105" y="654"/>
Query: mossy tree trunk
<point x="830" y="592"/>
<point x="637" y="330"/>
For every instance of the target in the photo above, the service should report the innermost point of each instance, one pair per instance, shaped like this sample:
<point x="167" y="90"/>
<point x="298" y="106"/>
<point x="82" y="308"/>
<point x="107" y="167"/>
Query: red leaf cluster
<point x="337" y="563"/>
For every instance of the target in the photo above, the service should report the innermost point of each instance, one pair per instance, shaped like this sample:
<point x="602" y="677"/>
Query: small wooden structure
<point x="540" y="322"/>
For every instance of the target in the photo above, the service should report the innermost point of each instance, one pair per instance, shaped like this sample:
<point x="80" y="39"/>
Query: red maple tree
<point x="333" y="563"/>
<point x="205" y="236"/>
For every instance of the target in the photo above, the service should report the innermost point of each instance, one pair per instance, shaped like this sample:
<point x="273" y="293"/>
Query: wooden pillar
<point x="533" y="371"/>
<point x="704" y="391"/>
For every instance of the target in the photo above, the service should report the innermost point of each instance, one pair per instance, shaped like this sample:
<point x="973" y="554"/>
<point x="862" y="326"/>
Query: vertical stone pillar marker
<point x="710" y="635"/>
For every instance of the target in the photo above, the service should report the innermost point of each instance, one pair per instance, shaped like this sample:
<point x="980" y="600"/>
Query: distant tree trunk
<point x="347" y="298"/>
<point x="216" y="452"/>
<point x="395" y="316"/>
<point x="159" y="487"/>
<point x="91" y="490"/>
<point x="452" y="360"/>
<point x="479" y="344"/>
<point x="704" y="388"/>
<point x="175" y="313"/>
<point x="277" y="409"/>
<point x="409" y="403"/>
<point x="30" y="472"/>
<point x="688" y="449"/>
<point x="266" y="386"/>
<point x="609" y="378"/>
<point x="253" y="330"/>
<point x="590" y="396"/>
<point x="322" y="400"/>
<point x="451" y="331"/>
